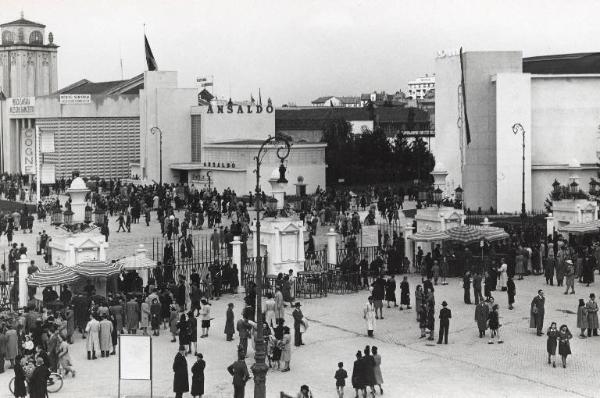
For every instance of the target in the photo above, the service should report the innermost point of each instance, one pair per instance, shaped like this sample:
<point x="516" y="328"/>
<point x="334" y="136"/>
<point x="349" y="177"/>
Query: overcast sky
<point x="298" y="50"/>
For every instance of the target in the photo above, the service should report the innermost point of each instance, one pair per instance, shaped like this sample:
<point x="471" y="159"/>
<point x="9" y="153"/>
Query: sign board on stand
<point x="135" y="359"/>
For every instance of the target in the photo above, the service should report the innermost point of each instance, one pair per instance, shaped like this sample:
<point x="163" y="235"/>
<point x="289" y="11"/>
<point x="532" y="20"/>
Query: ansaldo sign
<point x="28" y="151"/>
<point x="231" y="108"/>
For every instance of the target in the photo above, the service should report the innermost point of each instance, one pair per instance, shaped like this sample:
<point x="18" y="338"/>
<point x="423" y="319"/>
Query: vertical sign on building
<point x="28" y="151"/>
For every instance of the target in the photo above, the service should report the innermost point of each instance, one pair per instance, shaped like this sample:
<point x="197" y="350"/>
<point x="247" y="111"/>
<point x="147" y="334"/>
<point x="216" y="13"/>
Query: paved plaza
<point x="466" y="367"/>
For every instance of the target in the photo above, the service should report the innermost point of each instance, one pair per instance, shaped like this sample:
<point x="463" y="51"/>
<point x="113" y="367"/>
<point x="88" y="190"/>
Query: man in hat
<point x="181" y="382"/>
<point x="536" y="320"/>
<point x="445" y="315"/>
<point x="570" y="276"/>
<point x="298" y="321"/>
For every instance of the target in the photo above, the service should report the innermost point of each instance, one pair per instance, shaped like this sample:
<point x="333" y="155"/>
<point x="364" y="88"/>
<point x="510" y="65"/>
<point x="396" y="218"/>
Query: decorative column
<point x="550" y="225"/>
<point x="237" y="259"/>
<point x="442" y="222"/>
<point x="140" y="253"/>
<point x="408" y="246"/>
<point x="332" y="247"/>
<point x="23" y="291"/>
<point x="102" y="251"/>
<point x="579" y="214"/>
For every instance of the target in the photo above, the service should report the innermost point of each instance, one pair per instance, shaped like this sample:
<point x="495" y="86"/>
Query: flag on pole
<point x="464" y="97"/>
<point x="252" y="101"/>
<point x="259" y="98"/>
<point x="149" y="56"/>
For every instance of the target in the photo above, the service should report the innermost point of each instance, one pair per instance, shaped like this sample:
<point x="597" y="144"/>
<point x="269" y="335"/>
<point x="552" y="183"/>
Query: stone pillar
<point x="549" y="224"/>
<point x="237" y="259"/>
<point x="102" y="251"/>
<point x="442" y="222"/>
<point x="332" y="247"/>
<point x="579" y="214"/>
<point x="23" y="293"/>
<point x="71" y="257"/>
<point x="408" y="246"/>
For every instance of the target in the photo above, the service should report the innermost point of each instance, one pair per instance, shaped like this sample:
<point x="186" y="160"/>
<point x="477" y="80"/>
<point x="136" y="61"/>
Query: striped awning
<point x="135" y="262"/>
<point x="465" y="234"/>
<point x="492" y="234"/>
<point x="581" y="228"/>
<point x="52" y="276"/>
<point x="95" y="269"/>
<point x="429" y="236"/>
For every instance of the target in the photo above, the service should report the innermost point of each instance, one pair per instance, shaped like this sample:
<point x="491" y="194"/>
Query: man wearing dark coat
<point x="298" y="321"/>
<point x="536" y="320"/>
<point x="180" y="378"/>
<point x="38" y="383"/>
<point x="240" y="374"/>
<point x="511" y="290"/>
<point x="467" y="287"/>
<point x="445" y="315"/>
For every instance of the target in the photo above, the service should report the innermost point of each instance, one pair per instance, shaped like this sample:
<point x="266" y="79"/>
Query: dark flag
<point x="464" y="97"/>
<point x="259" y="98"/>
<point x="149" y="57"/>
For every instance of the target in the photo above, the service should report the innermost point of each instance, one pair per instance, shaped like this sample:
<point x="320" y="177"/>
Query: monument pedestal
<point x="283" y="241"/>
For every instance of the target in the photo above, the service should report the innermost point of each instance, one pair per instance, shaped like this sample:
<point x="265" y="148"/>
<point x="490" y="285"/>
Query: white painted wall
<point x="513" y="105"/>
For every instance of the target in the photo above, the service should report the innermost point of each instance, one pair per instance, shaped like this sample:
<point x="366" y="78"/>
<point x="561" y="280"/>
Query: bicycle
<point x="55" y="383"/>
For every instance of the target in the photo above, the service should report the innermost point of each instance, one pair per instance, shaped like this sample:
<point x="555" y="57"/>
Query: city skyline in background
<point x="295" y="52"/>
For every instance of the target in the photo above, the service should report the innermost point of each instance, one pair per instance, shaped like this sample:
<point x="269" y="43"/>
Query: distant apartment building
<point x="346" y="102"/>
<point x="418" y="88"/>
<point x="376" y="98"/>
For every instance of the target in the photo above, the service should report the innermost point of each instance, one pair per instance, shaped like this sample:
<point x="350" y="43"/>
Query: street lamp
<point x="518" y="128"/>
<point x="260" y="368"/>
<point x="437" y="196"/>
<point x="154" y="131"/>
<point x="574" y="187"/>
<point x="208" y="174"/>
<point x="593" y="185"/>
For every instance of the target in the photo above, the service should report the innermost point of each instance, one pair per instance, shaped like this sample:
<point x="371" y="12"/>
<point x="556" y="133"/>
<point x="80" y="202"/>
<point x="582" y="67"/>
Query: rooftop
<point x="23" y="22"/>
<point x="84" y="86"/>
<point x="578" y="63"/>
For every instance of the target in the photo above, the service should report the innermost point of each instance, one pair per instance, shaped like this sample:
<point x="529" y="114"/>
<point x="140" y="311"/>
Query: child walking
<point x="340" y="379"/>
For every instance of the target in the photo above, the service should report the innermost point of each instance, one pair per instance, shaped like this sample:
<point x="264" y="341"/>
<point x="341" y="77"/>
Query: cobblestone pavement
<point x="467" y="367"/>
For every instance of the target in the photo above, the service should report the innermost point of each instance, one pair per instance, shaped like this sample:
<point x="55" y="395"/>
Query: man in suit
<point x="298" y="321"/>
<point x="445" y="315"/>
<point x="243" y="327"/>
<point x="537" y="312"/>
<point x="240" y="374"/>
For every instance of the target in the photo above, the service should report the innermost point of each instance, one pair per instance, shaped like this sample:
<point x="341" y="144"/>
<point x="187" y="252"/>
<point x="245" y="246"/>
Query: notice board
<point x="135" y="357"/>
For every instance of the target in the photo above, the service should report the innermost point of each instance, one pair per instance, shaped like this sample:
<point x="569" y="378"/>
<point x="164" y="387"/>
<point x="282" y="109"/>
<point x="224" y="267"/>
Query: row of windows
<point x="35" y="37"/>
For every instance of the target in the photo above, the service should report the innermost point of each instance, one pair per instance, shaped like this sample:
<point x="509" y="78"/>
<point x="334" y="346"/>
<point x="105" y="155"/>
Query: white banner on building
<point x="28" y="151"/>
<point x="21" y="105"/>
<point x="46" y="141"/>
<point x="48" y="173"/>
<point x="75" y="99"/>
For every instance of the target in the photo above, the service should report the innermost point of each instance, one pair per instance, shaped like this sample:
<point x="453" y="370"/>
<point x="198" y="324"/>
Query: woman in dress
<point x="286" y="351"/>
<point x="173" y="318"/>
<point x="592" y="316"/>
<point x="145" y="317"/>
<point x="155" y="314"/>
<point x="377" y="369"/>
<point x="564" y="347"/>
<point x="20" y="391"/>
<point x="520" y="262"/>
<point x="503" y="272"/>
<point x="422" y="316"/>
<point x="198" y="376"/>
<point x="193" y="332"/>
<point x="551" y="343"/>
<point x="582" y="322"/>
<point x="418" y="300"/>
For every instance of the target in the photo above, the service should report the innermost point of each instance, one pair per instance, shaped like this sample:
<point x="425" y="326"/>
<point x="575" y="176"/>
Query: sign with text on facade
<point x="21" y="105"/>
<point x="28" y="151"/>
<point x="75" y="99"/>
<point x="233" y="108"/>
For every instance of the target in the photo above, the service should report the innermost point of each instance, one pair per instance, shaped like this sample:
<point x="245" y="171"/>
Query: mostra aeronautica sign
<point x="231" y="108"/>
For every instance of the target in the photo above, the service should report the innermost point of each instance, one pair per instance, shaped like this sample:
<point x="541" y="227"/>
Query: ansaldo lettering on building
<point x="240" y="109"/>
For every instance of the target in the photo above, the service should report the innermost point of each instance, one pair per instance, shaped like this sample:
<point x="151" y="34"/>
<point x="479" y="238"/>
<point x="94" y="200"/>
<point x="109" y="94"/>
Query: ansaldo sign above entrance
<point x="231" y="108"/>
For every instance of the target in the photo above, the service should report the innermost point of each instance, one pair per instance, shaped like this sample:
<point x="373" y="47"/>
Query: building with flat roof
<point x="556" y="99"/>
<point x="418" y="88"/>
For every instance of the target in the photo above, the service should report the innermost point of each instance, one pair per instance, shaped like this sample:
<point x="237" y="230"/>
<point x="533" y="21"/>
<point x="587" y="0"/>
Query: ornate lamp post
<point x="260" y="368"/>
<point x="437" y="196"/>
<point x="574" y="188"/>
<point x="518" y="128"/>
<point x="593" y="185"/>
<point x="154" y="131"/>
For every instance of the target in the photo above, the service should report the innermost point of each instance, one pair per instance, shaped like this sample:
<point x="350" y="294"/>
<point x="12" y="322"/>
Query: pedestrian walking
<point x="445" y="315"/>
<point x="243" y="327"/>
<point x="503" y="274"/>
<point x="511" y="291"/>
<point x="180" y="369"/>
<point x="93" y="337"/>
<point x="467" y="287"/>
<point x="419" y="300"/>
<point x="592" y="316"/>
<point x="551" y="343"/>
<point x="205" y="317"/>
<point x="369" y="369"/>
<point x="358" y="375"/>
<point x="549" y="265"/>
<point x="582" y="322"/>
<point x="286" y="350"/>
<point x="198" y="376"/>
<point x="477" y="287"/>
<point x="570" y="277"/>
<point x="390" y="291"/>
<point x="494" y="323"/>
<point x="482" y="312"/>
<point x="404" y="293"/>
<point x="229" y="325"/>
<point x="340" y="379"/>
<point x="298" y="324"/>
<point x="377" y="369"/>
<point x="564" y="346"/>
<point x="536" y="320"/>
<point x="369" y="316"/>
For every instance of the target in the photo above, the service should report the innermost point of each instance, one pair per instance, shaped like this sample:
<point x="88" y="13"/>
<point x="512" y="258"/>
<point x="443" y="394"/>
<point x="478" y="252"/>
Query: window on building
<point x="8" y="37"/>
<point x="36" y="37"/>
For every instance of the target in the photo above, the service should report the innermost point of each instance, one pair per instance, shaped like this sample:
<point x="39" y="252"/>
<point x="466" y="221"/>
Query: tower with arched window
<point x="28" y="64"/>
